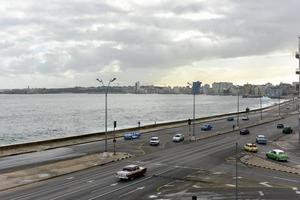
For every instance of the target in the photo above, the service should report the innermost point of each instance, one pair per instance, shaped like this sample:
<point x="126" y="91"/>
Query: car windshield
<point x="129" y="169"/>
<point x="177" y="135"/>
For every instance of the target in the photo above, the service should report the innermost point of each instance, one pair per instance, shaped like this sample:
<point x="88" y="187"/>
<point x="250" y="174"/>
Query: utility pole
<point x="114" y="140"/>
<point x="236" y="170"/>
<point x="260" y="102"/>
<point x="194" y="113"/>
<point x="279" y="102"/>
<point x="298" y="72"/>
<point x="238" y="108"/>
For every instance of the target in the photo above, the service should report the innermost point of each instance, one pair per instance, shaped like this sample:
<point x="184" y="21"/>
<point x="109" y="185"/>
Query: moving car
<point x="245" y="118"/>
<point x="230" y="119"/>
<point x="287" y="130"/>
<point x="244" y="132"/>
<point x="130" y="172"/>
<point x="206" y="127"/>
<point x="261" y="139"/>
<point x="132" y="135"/>
<point x="251" y="147"/>
<point x="178" y="138"/>
<point x="154" y="141"/>
<point x="280" y="126"/>
<point x="277" y="154"/>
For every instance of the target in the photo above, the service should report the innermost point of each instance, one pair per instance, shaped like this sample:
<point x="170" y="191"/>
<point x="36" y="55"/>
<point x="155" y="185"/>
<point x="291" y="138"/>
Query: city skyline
<point x="66" y="43"/>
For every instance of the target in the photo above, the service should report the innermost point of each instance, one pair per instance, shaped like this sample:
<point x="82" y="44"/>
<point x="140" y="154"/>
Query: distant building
<point x="137" y="87"/>
<point x="221" y="88"/>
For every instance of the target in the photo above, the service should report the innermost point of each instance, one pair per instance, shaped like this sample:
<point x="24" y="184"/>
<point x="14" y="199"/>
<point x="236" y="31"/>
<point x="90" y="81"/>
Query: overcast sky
<point x="66" y="43"/>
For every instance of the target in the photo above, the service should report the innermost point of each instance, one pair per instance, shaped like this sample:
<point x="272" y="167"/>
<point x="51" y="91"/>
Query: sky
<point x="67" y="43"/>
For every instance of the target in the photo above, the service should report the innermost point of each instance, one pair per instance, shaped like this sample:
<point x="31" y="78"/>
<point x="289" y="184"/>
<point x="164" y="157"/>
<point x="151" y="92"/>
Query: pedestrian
<point x="233" y="126"/>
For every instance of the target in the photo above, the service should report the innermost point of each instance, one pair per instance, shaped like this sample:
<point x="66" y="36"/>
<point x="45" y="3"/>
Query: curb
<point x="287" y="169"/>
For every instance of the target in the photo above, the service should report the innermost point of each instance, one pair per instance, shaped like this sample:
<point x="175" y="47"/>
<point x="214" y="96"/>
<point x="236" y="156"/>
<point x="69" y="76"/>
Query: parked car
<point x="280" y="126"/>
<point x="287" y="130"/>
<point x="261" y="139"/>
<point x="178" y="138"/>
<point x="244" y="132"/>
<point x="154" y="141"/>
<point x="132" y="135"/>
<point x="230" y="119"/>
<point x="245" y="118"/>
<point x="130" y="172"/>
<point x="206" y="127"/>
<point x="277" y="154"/>
<point x="251" y="147"/>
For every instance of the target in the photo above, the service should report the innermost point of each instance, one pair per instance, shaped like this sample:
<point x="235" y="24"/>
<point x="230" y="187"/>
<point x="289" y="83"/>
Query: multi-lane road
<point x="205" y="168"/>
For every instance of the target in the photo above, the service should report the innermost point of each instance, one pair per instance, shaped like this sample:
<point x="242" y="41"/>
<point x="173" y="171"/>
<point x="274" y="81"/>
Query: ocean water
<point x="34" y="117"/>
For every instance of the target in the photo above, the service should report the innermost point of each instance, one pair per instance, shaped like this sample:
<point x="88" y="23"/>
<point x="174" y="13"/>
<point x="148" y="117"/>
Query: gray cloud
<point x="83" y="37"/>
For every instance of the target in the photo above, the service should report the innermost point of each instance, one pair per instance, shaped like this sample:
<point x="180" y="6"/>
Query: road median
<point x="32" y="175"/>
<point x="263" y="163"/>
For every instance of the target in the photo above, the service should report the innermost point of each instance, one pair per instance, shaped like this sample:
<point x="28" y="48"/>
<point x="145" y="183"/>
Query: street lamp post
<point x="194" y="108"/>
<point x="238" y="109"/>
<point x="298" y="72"/>
<point x="106" y="91"/>
<point x="260" y="102"/>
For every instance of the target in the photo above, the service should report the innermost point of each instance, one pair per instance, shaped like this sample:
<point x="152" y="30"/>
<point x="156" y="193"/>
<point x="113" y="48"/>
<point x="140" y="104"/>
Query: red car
<point x="130" y="172"/>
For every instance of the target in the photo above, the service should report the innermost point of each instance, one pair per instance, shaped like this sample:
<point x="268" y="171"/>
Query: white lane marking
<point x="132" y="191"/>
<point x="90" y="181"/>
<point x="291" y="180"/>
<point x="70" y="178"/>
<point x="239" y="177"/>
<point x="114" y="184"/>
<point x="153" y="196"/>
<point x="230" y="185"/>
<point x="261" y="193"/>
<point x="294" y="188"/>
<point x="196" y="186"/>
<point x="117" y="189"/>
<point x="265" y="184"/>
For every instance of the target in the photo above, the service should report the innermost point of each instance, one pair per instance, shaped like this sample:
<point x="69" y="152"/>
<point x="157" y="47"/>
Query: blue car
<point x="132" y="135"/>
<point x="206" y="127"/>
<point x="261" y="139"/>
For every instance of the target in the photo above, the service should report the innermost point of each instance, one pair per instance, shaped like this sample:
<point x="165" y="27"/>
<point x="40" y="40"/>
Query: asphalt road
<point x="205" y="168"/>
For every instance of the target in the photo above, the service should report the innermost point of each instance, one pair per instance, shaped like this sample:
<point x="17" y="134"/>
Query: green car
<point x="277" y="154"/>
<point x="287" y="130"/>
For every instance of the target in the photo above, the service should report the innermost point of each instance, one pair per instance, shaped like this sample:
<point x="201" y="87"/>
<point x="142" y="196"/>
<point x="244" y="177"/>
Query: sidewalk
<point x="48" y="171"/>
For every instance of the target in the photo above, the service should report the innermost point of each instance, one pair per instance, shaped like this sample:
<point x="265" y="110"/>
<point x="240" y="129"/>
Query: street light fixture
<point x="106" y="91"/>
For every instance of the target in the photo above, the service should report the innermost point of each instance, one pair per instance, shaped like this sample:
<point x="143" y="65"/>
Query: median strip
<point x="263" y="163"/>
<point x="22" y="177"/>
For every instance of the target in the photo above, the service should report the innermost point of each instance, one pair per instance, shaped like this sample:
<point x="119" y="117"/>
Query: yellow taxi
<point x="251" y="147"/>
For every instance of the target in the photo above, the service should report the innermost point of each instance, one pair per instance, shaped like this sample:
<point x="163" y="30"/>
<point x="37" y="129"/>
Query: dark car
<point x="206" y="127"/>
<point x="287" y="130"/>
<point x="230" y="119"/>
<point x="244" y="132"/>
<point x="280" y="126"/>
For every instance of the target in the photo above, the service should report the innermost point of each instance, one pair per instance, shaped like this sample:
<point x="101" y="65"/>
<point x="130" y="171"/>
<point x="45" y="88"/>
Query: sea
<point x="34" y="117"/>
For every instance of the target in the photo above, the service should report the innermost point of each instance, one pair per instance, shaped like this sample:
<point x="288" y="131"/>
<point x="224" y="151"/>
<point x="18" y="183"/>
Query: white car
<point x="178" y="138"/>
<point x="130" y="172"/>
<point x="154" y="141"/>
<point x="245" y="118"/>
